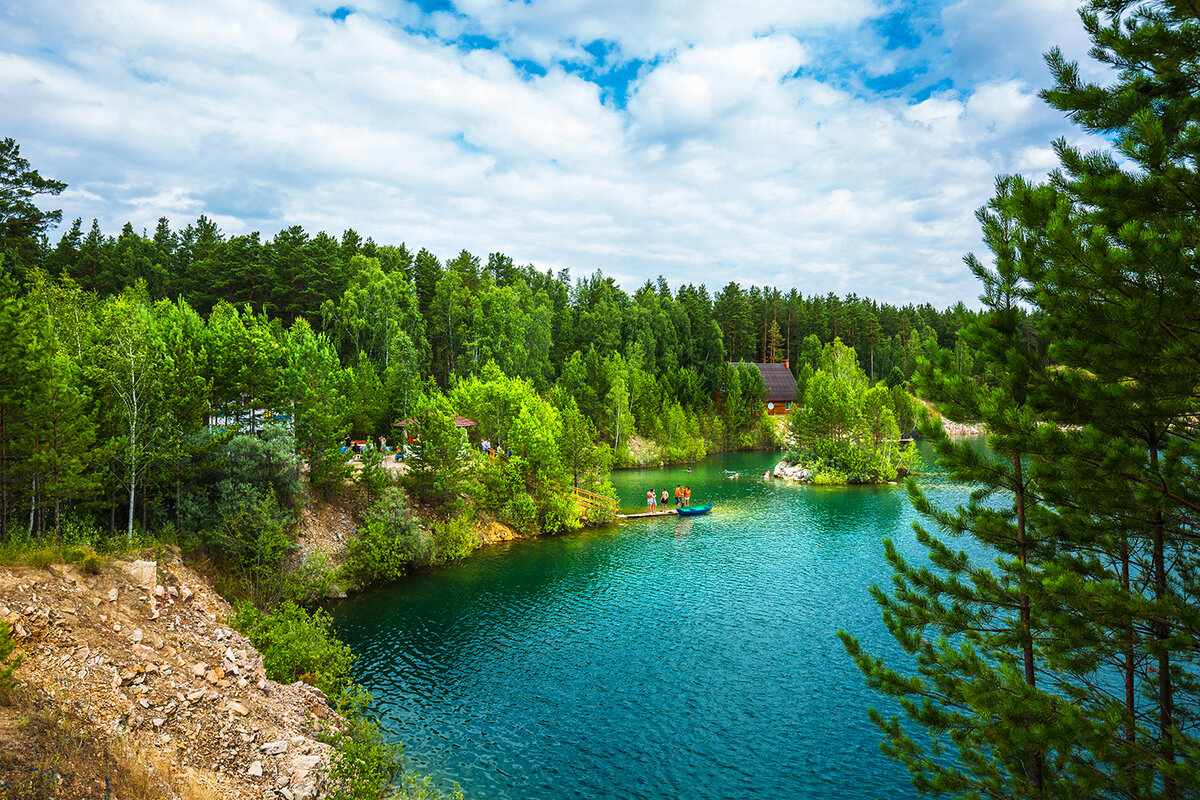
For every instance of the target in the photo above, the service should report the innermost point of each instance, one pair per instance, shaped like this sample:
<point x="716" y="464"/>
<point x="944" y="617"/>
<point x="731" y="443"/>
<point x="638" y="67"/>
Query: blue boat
<point x="691" y="511"/>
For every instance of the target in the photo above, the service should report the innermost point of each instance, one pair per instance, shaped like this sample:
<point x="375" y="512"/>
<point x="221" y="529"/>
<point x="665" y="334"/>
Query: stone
<point x="286" y="793"/>
<point x="158" y="591"/>
<point x="306" y="777"/>
<point x="255" y="770"/>
<point x="187" y="594"/>
<point x="199" y="669"/>
<point x="171" y="590"/>
<point x="112" y="595"/>
<point x="275" y="748"/>
<point x="145" y="652"/>
<point x="143" y="574"/>
<point x="136" y="636"/>
<point x="237" y="708"/>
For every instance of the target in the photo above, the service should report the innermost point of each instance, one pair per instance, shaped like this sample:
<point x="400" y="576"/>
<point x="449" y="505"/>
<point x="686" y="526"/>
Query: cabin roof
<point x="780" y="383"/>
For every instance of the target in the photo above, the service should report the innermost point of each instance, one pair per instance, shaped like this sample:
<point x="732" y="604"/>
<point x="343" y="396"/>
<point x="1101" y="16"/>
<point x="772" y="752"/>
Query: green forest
<point x="131" y="352"/>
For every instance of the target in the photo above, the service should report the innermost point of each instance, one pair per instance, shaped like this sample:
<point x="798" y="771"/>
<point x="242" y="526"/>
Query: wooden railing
<point x="585" y="498"/>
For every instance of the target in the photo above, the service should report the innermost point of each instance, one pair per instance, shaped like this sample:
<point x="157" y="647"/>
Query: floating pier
<point x="671" y="512"/>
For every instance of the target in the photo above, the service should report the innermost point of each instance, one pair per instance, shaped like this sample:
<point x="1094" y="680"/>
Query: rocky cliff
<point x="134" y="686"/>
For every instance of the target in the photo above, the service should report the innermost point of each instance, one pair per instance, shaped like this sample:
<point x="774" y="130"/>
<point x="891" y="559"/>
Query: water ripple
<point x="669" y="658"/>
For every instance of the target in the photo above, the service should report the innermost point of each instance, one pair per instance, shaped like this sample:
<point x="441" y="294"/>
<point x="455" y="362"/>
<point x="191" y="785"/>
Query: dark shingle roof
<point x="781" y="385"/>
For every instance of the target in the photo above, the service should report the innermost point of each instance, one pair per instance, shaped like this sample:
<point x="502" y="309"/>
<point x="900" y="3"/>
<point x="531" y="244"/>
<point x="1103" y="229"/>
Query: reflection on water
<point x="659" y="658"/>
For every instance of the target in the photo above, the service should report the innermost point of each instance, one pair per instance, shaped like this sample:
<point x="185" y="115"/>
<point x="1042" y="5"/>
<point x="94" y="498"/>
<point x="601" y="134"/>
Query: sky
<point x="826" y="146"/>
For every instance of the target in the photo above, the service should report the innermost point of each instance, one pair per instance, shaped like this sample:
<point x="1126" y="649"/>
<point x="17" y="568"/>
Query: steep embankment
<point x="133" y="686"/>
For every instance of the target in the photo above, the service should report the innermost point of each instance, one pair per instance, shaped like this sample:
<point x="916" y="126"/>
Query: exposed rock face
<point x="788" y="472"/>
<point x="158" y="671"/>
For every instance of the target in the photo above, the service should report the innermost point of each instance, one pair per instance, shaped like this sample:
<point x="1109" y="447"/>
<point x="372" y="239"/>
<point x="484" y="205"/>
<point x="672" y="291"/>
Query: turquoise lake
<point x="656" y="658"/>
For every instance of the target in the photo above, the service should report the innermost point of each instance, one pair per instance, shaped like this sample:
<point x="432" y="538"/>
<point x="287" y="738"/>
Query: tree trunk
<point x="1128" y="667"/>
<point x="3" y="476"/>
<point x="32" y="503"/>
<point x="1035" y="757"/>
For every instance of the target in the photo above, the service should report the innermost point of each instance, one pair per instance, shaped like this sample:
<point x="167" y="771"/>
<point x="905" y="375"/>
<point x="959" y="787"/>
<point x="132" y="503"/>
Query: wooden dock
<point x="668" y="513"/>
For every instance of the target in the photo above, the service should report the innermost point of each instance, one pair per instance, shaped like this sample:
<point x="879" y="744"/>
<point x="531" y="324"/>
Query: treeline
<point x="464" y="311"/>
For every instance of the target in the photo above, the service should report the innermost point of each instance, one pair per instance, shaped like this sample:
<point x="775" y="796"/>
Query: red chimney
<point x="786" y="364"/>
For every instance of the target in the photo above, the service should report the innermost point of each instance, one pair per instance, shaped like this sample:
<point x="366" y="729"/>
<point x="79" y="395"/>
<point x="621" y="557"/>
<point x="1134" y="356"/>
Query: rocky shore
<point x="134" y="670"/>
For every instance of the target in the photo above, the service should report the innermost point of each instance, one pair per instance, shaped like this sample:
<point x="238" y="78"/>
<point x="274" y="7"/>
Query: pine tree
<point x="973" y="625"/>
<point x="1119" y="292"/>
<point x="18" y="376"/>
<point x="1106" y="447"/>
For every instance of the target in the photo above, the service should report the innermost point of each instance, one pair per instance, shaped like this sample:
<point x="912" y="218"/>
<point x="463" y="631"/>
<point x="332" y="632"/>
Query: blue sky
<point x="836" y="147"/>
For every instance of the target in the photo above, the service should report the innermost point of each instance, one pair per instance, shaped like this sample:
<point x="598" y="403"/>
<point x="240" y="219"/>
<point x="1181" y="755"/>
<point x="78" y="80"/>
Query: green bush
<point x="8" y="662"/>
<point x="296" y="645"/>
<point x="363" y="764"/>
<point x="328" y="471"/>
<point x="314" y="580"/>
<point x="522" y="513"/>
<point x="454" y="539"/>
<point x="390" y="539"/>
<point x="373" y="478"/>
<point x="252" y="539"/>
<point x="229" y="473"/>
<point x="559" y="514"/>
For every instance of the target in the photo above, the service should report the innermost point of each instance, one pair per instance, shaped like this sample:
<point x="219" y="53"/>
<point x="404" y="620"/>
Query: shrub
<point x="560" y="514"/>
<point x="373" y="478"/>
<point x="8" y="662"/>
<point x="315" y="579"/>
<point x="390" y="539"/>
<point x="229" y="472"/>
<point x="296" y="645"/>
<point x="363" y="764"/>
<point x="328" y="471"/>
<point x="454" y="539"/>
<point x="252" y="538"/>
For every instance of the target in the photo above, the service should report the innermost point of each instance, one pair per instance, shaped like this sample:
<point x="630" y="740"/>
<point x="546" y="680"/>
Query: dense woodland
<point x="126" y="347"/>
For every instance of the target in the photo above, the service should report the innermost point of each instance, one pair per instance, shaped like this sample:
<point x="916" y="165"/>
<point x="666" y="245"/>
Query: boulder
<point x="143" y="574"/>
<point x="306" y="777"/>
<point x="275" y="748"/>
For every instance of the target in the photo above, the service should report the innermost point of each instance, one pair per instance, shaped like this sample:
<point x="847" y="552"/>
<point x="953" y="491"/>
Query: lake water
<point x="657" y="658"/>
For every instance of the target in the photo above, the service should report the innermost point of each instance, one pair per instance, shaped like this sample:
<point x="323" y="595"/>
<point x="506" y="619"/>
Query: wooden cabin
<point x="781" y="388"/>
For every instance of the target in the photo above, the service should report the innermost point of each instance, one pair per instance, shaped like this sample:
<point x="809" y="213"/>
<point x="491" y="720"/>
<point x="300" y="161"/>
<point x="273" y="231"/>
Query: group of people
<point x="357" y="448"/>
<point x="683" y="497"/>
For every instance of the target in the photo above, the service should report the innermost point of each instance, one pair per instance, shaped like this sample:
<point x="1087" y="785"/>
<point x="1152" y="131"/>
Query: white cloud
<point x="722" y="166"/>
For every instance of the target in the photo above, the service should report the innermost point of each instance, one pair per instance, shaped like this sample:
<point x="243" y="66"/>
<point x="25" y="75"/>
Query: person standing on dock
<point x="678" y="494"/>
<point x="687" y="495"/>
<point x="649" y="501"/>
<point x="663" y="502"/>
